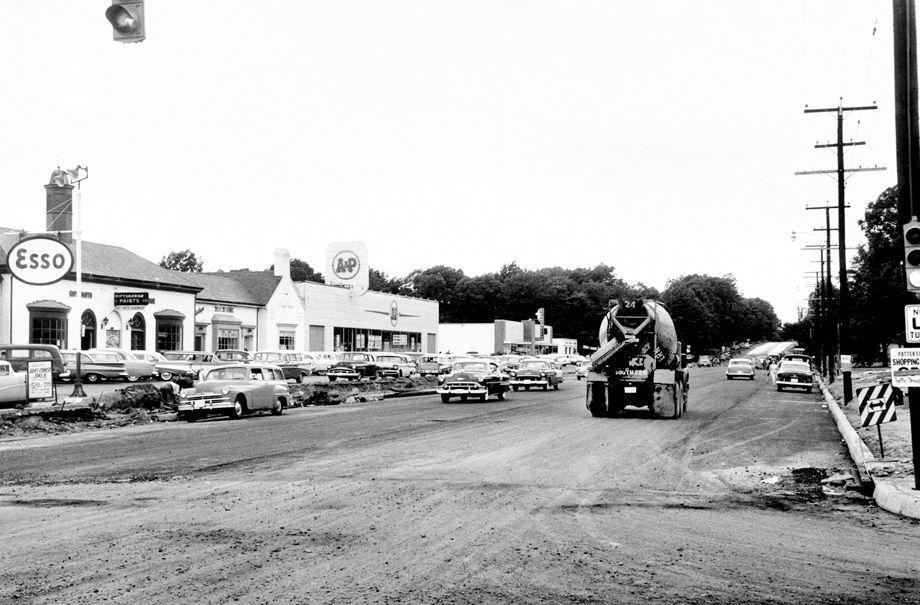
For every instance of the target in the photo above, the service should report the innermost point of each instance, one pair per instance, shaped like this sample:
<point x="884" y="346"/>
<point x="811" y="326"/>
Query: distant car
<point x="178" y="371"/>
<point x="197" y="360"/>
<point x="705" y="361"/>
<point x="293" y="364"/>
<point x="534" y="374"/>
<point x="739" y="367"/>
<point x="800" y="357"/>
<point x="582" y="371"/>
<point x="394" y="365"/>
<point x="235" y="390"/>
<point x="434" y="365"/>
<point x="353" y="365"/>
<point x="794" y="375"/>
<point x="137" y="369"/>
<point x="478" y="378"/>
<point x="19" y="357"/>
<point x="232" y="355"/>
<point x="321" y="360"/>
<point x="12" y="385"/>
<point x="95" y="368"/>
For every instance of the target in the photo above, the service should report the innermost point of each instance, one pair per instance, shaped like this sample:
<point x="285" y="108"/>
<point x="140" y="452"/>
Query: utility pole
<point x="831" y="344"/>
<point x="818" y="328"/>
<point x="907" y="134"/>
<point x="844" y="306"/>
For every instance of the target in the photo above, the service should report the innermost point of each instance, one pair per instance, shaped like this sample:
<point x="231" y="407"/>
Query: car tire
<point x="545" y="387"/>
<point x="301" y="378"/>
<point x="556" y="387"/>
<point x="131" y="378"/>
<point x="238" y="409"/>
<point x="501" y="395"/>
<point x="463" y="397"/>
<point x="483" y="398"/>
<point x="167" y="376"/>
<point x="278" y="408"/>
<point x="93" y="378"/>
<point x="191" y="417"/>
<point x="445" y="398"/>
<point x="515" y="387"/>
<point x="332" y="379"/>
<point x="808" y="390"/>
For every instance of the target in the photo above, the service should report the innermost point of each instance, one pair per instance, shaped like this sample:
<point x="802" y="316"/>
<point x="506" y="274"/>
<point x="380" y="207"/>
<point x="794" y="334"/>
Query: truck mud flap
<point x="668" y="400"/>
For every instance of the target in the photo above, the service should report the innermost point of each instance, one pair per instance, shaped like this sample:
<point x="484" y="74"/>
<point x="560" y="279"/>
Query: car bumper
<point x="218" y="403"/>
<point x="345" y="375"/>
<point x="530" y="382"/>
<point x="795" y="384"/>
<point x="449" y="389"/>
<point x="738" y="375"/>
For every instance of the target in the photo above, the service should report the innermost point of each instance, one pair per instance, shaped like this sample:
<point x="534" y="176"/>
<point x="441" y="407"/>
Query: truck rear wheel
<point x="596" y="395"/>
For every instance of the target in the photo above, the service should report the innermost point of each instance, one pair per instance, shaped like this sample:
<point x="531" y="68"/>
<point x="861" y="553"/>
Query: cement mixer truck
<point x="639" y="362"/>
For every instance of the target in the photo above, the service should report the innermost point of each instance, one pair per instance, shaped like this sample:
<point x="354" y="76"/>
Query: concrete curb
<point x="887" y="495"/>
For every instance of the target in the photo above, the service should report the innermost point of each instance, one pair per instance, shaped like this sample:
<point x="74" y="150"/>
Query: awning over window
<point x="47" y="305"/>
<point x="169" y="314"/>
<point x="225" y="318"/>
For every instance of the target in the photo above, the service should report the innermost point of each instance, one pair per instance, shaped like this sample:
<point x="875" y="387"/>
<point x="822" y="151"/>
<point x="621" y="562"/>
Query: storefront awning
<point x="47" y="305"/>
<point x="225" y="318"/>
<point x="169" y="314"/>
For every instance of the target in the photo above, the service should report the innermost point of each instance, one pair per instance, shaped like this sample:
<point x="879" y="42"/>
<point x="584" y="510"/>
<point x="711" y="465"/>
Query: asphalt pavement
<point x="748" y="498"/>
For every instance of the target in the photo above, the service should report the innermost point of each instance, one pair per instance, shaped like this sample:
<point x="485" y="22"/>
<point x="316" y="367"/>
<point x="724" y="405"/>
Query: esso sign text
<point x="345" y="264"/>
<point x="39" y="260"/>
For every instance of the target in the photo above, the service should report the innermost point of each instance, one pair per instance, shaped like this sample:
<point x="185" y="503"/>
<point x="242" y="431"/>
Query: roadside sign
<point x="39" y="260"/>
<point x="905" y="367"/>
<point x="912" y="323"/>
<point x="876" y="404"/>
<point x="846" y="363"/>
<point x="39" y="383"/>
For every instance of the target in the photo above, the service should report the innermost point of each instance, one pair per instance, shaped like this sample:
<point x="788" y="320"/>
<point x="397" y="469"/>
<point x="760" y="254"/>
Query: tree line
<point x="708" y="311"/>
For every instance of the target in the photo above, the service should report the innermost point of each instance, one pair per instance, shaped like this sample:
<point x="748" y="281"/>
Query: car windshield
<point x="388" y="358"/>
<point x="534" y="365"/>
<point x="794" y="366"/>
<point x="268" y="356"/>
<point x="228" y="374"/>
<point x="354" y="357"/>
<point x="739" y="362"/>
<point x="471" y="366"/>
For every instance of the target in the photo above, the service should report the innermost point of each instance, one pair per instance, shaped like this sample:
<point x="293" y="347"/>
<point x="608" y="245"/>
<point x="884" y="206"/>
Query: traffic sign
<point x="912" y="323"/>
<point x="905" y="367"/>
<point x="876" y="404"/>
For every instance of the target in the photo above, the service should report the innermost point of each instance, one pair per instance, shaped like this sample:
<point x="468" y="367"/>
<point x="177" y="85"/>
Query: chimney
<point x="59" y="205"/>
<point x="282" y="262"/>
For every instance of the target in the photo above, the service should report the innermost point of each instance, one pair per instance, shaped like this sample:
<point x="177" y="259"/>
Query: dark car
<point x="235" y="390"/>
<point x="353" y="365"/>
<point x="794" y="375"/>
<point x="534" y="374"/>
<point x="294" y="365"/>
<point x="800" y="357"/>
<point x="478" y="378"/>
<point x="19" y="357"/>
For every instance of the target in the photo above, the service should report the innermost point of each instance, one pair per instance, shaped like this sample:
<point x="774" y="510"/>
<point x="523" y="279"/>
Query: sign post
<point x="912" y="323"/>
<point x="876" y="405"/>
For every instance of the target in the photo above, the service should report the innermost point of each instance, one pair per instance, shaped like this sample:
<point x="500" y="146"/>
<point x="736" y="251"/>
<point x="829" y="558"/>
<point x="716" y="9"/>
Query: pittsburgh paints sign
<point x="346" y="265"/>
<point x="39" y="260"/>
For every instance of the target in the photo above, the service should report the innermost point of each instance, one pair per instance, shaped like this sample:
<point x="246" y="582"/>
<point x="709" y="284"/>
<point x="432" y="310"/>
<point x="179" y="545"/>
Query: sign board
<point x="912" y="323"/>
<point x="40" y="385"/>
<point x="39" y="260"/>
<point x="346" y="266"/>
<point x="123" y="299"/>
<point x="846" y="363"/>
<point x="876" y="404"/>
<point x="400" y="340"/>
<point x="905" y="367"/>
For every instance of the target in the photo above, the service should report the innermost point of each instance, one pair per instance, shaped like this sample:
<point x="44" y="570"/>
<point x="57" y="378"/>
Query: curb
<point x="885" y="494"/>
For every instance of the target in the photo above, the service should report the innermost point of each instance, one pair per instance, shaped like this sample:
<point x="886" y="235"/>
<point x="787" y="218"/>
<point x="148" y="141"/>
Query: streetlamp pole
<point x="76" y="179"/>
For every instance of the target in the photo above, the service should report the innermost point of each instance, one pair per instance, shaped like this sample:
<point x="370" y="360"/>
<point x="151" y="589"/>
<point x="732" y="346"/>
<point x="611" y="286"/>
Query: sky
<point x="659" y="138"/>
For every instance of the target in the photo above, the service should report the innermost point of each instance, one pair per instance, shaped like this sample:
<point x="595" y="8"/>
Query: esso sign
<point x="346" y="264"/>
<point x="39" y="260"/>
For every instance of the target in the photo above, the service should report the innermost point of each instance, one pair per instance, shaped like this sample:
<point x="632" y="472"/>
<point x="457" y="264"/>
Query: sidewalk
<point x="893" y="476"/>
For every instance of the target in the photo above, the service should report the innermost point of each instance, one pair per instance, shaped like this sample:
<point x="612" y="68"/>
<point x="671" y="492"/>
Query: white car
<point x="395" y="364"/>
<point x="322" y="361"/>
<point x="12" y="385"/>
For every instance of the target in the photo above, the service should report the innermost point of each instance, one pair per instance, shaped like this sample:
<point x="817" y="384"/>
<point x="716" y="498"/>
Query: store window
<point x="138" y="327"/>
<point x="228" y="338"/>
<point x="248" y="338"/>
<point x="169" y="335"/>
<point x="88" y="330"/>
<point x="286" y="340"/>
<point x="48" y="323"/>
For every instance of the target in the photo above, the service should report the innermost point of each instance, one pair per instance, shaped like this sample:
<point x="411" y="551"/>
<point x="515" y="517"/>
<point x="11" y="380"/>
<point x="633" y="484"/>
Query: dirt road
<point x="526" y="500"/>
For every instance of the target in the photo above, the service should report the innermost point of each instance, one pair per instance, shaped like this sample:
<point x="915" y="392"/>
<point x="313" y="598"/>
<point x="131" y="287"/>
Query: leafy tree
<point x="183" y="260"/>
<point x="379" y="282"/>
<point x="302" y="271"/>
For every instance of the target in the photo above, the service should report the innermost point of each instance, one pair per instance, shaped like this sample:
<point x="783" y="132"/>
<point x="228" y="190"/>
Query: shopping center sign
<point x="346" y="265"/>
<point x="39" y="260"/>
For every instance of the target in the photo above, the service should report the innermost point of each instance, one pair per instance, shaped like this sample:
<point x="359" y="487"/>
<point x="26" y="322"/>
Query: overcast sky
<point x="660" y="138"/>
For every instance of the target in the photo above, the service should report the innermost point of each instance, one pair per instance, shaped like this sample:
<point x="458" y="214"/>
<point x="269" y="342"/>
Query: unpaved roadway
<point x="526" y="500"/>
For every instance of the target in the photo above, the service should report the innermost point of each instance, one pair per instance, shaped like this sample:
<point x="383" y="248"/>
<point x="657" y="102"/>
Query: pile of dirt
<point x="144" y="396"/>
<point x="338" y="392"/>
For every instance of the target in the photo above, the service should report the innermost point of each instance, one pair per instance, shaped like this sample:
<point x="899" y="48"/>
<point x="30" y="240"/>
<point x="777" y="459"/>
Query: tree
<point x="378" y="281"/>
<point x="183" y="260"/>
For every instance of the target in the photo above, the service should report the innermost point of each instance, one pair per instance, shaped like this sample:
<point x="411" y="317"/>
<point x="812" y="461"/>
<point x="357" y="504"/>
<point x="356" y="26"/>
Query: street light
<point x="77" y="176"/>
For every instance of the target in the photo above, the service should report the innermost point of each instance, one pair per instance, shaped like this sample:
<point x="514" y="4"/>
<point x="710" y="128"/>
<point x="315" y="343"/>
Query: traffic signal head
<point x="912" y="255"/>
<point x="127" y="19"/>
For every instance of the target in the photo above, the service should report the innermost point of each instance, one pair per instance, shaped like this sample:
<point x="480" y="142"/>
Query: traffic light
<point x="912" y="255"/>
<point x="127" y="19"/>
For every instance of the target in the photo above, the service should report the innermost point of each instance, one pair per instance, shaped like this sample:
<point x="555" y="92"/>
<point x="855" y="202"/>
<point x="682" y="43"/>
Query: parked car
<point x="705" y="361"/>
<point x="582" y="371"/>
<point x="435" y="365"/>
<point x="322" y="361"/>
<point x="794" y="374"/>
<point x="235" y="390"/>
<point x="353" y="365"/>
<point x="19" y="357"/>
<point x="232" y="355"/>
<point x="395" y="365"/>
<point x="197" y="360"/>
<point x="800" y="357"/>
<point x="740" y="367"/>
<point x="93" y="369"/>
<point x="12" y="385"/>
<point x="178" y="371"/>
<point x="474" y="378"/>
<point x="137" y="369"/>
<point x="535" y="373"/>
<point x="293" y="364"/>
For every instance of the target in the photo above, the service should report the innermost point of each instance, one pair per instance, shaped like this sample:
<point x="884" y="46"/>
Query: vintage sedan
<point x="794" y="375"/>
<point x="178" y="371"/>
<point x="235" y="390"/>
<point x="95" y="368"/>
<point x="12" y="385"/>
<point x="395" y="365"/>
<point x="294" y="366"/>
<point x="137" y="369"/>
<point x="740" y="367"/>
<point x="353" y="365"/>
<point x="535" y="374"/>
<point x="474" y="378"/>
